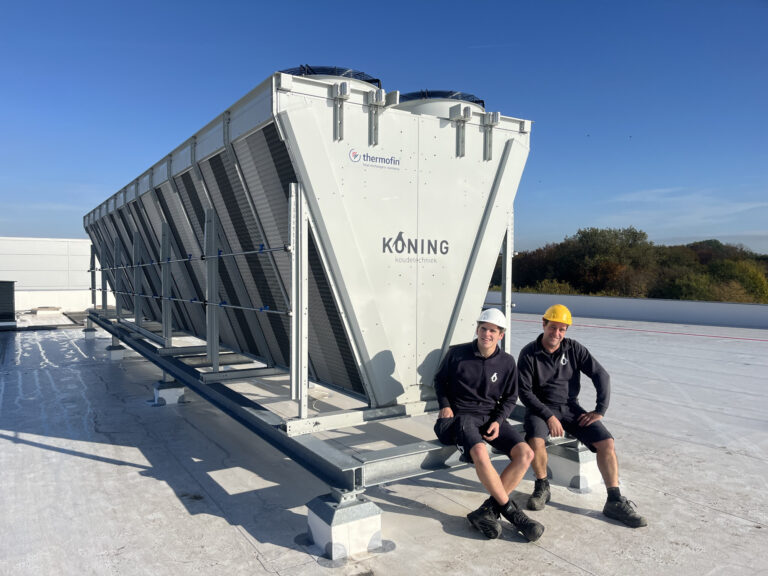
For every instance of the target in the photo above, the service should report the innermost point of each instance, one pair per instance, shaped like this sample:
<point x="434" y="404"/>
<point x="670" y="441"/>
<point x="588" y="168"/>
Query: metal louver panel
<point x="268" y="172"/>
<point x="234" y="331"/>
<point x="257" y="274"/>
<point x="186" y="284"/>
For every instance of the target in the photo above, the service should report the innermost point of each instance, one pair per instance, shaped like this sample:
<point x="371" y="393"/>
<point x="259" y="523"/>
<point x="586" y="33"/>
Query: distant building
<point x="48" y="272"/>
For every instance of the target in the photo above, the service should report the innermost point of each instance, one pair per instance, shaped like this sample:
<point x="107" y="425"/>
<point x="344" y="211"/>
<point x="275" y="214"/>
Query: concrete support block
<point x="571" y="464"/>
<point x="116" y="351"/>
<point x="168" y="392"/>
<point x="344" y="529"/>
<point x="89" y="333"/>
<point x="574" y="466"/>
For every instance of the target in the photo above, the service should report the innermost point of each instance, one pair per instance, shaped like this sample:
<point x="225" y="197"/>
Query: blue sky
<point x="649" y="113"/>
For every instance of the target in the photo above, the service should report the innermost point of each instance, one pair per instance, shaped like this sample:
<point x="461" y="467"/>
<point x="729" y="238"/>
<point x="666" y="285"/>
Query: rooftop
<point x="96" y="481"/>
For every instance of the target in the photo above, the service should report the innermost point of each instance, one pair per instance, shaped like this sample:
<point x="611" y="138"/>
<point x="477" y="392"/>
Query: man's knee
<point x="538" y="445"/>
<point x="604" y="446"/>
<point x="479" y="452"/>
<point x="522" y="452"/>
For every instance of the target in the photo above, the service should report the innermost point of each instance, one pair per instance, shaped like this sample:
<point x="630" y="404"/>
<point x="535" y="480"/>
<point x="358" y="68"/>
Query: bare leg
<point x="520" y="459"/>
<point x="607" y="462"/>
<point x="539" y="463"/>
<point x="487" y="473"/>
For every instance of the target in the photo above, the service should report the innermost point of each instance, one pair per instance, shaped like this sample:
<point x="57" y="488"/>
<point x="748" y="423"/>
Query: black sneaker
<point x="540" y="495"/>
<point x="486" y="520"/>
<point x="623" y="511"/>
<point x="530" y="529"/>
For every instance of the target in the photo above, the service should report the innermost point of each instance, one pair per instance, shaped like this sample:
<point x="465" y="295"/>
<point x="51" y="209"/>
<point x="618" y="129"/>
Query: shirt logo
<point x="563" y="360"/>
<point x="494" y="377"/>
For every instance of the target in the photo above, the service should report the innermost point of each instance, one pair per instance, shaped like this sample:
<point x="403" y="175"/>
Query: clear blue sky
<point x="647" y="113"/>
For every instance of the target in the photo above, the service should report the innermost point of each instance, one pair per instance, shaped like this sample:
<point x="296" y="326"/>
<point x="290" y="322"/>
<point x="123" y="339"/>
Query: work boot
<point x="486" y="519"/>
<point x="540" y="495"/>
<point x="531" y="529"/>
<point x="623" y="511"/>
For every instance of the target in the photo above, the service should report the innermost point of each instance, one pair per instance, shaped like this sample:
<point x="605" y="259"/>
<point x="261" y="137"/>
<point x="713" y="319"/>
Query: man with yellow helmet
<point x="549" y="370"/>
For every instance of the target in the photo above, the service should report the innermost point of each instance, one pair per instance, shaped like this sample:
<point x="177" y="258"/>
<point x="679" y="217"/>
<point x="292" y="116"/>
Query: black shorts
<point x="568" y="414"/>
<point x="466" y="430"/>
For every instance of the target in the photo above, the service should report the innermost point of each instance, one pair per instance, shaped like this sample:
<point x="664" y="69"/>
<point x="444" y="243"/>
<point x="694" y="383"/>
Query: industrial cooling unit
<point x="324" y="230"/>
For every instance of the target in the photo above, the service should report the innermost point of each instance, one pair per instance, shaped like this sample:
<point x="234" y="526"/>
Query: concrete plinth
<point x="89" y="333"/>
<point x="168" y="392"/>
<point x="573" y="466"/>
<point x="344" y="529"/>
<point x="116" y="351"/>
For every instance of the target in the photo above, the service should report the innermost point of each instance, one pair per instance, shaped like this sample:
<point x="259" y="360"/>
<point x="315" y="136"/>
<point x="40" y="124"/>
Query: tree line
<point x="622" y="262"/>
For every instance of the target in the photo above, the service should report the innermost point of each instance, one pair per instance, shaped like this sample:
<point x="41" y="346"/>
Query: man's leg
<point x="486" y="518"/>
<point x="487" y="474"/>
<point x="541" y="494"/>
<point x="616" y="506"/>
<point x="520" y="458"/>
<point x="607" y="462"/>
<point x="539" y="463"/>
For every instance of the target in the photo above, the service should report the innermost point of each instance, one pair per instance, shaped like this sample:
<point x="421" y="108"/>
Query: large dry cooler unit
<point x="395" y="206"/>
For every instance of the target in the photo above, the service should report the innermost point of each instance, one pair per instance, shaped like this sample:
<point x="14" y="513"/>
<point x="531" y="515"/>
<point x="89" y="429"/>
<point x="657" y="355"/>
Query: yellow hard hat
<point x="558" y="313"/>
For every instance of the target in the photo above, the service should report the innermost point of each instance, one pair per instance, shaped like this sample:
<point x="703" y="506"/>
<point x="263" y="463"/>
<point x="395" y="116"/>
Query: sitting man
<point x="476" y="387"/>
<point x="549" y="373"/>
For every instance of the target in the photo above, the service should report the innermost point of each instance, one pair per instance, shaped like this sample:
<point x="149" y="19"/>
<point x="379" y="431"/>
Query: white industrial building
<point x="47" y="272"/>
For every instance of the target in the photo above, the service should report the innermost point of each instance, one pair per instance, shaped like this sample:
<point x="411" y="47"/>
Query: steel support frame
<point x="344" y="473"/>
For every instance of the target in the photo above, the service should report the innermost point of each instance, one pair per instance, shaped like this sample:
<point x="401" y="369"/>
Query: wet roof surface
<point x="96" y="481"/>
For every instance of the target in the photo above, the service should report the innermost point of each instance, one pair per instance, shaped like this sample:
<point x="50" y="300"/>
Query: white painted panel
<point x="45" y="263"/>
<point x="24" y="263"/>
<point x="643" y="309"/>
<point x="34" y="246"/>
<point x="181" y="160"/>
<point x="398" y="222"/>
<point x="159" y="173"/>
<point x="209" y="141"/>
<point x="251" y="112"/>
<point x="143" y="183"/>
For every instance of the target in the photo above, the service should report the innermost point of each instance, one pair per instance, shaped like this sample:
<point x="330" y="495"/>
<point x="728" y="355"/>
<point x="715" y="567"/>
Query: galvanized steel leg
<point x="165" y="284"/>
<point x="299" y="307"/>
<point x="116" y="260"/>
<point x="212" y="290"/>
<point x="104" y="298"/>
<point x="138" y="304"/>
<point x="506" y="273"/>
<point x="93" y="276"/>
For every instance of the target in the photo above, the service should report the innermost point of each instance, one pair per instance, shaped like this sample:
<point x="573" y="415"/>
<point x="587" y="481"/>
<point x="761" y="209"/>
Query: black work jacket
<point x="554" y="379"/>
<point x="471" y="384"/>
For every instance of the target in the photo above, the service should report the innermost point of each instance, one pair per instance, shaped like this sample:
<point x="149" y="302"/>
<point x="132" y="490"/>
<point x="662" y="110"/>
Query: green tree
<point x="748" y="274"/>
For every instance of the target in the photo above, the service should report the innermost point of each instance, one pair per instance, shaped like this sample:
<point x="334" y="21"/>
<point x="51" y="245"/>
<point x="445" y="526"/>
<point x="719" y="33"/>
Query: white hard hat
<point x="494" y="316"/>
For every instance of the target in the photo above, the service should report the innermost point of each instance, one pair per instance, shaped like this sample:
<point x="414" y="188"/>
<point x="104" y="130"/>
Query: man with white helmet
<point x="549" y="378"/>
<point x="476" y="387"/>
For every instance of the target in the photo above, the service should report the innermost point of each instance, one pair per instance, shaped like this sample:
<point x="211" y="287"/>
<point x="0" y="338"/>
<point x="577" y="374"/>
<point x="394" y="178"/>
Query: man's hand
<point x="445" y="412"/>
<point x="492" y="433"/>
<point x="588" y="418"/>
<point x="555" y="428"/>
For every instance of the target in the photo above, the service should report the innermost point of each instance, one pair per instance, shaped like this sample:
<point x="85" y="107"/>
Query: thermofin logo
<point x="390" y="162"/>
